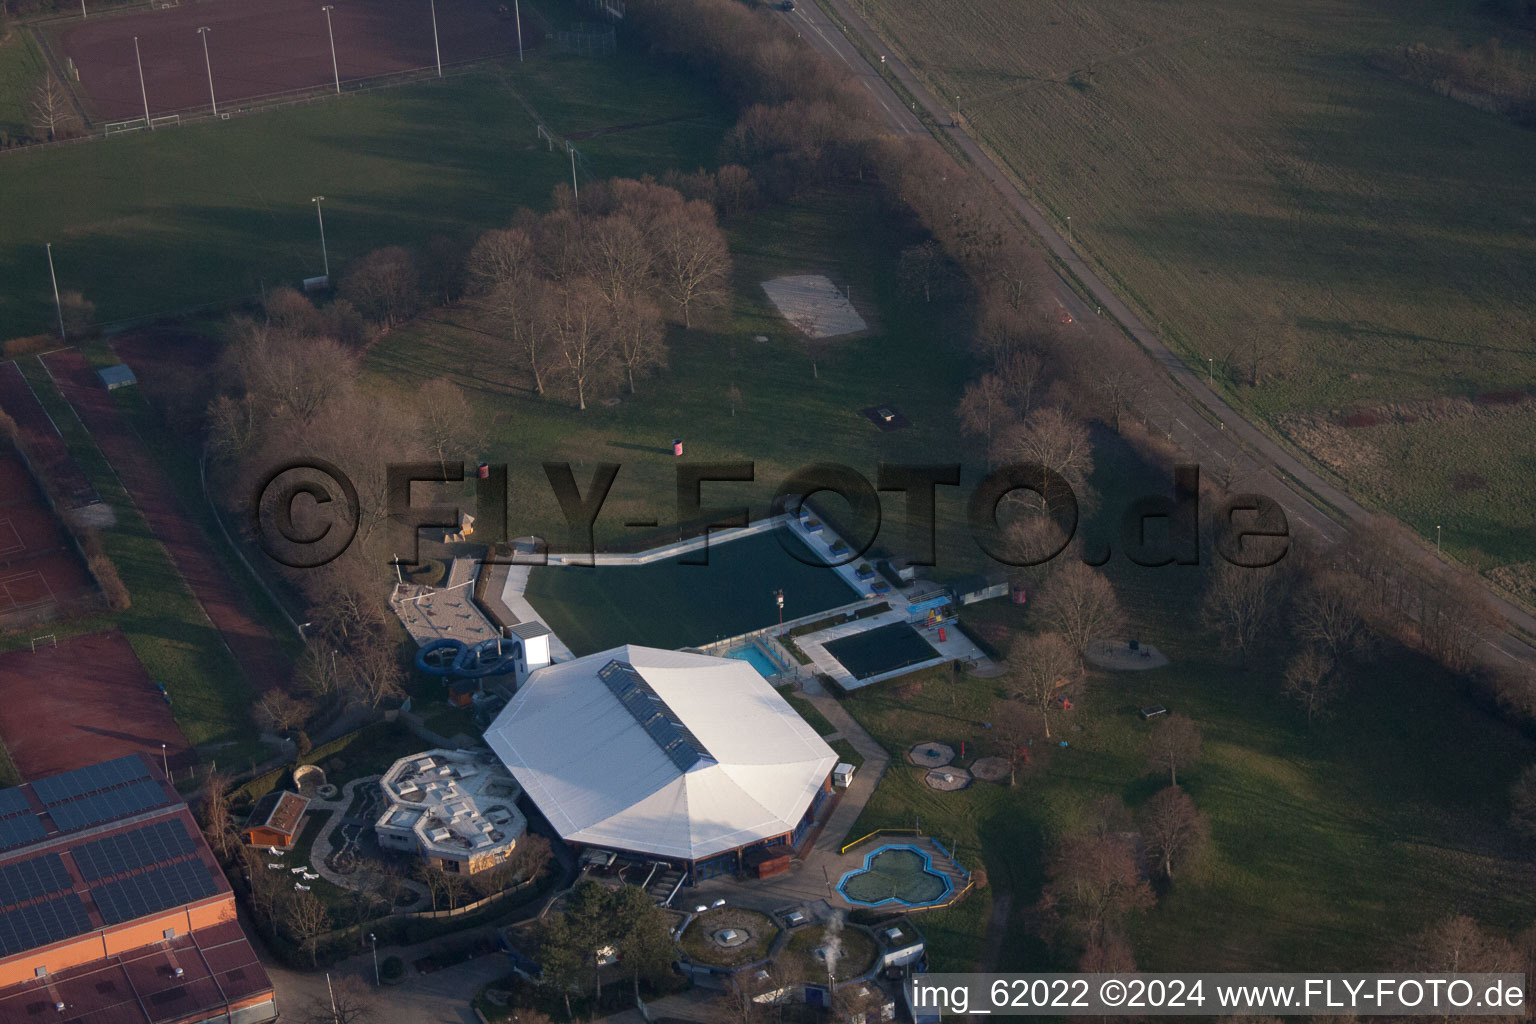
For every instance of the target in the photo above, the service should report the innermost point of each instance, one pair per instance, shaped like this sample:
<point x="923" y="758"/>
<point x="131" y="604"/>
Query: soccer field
<point x="213" y="212"/>
<point x="669" y="604"/>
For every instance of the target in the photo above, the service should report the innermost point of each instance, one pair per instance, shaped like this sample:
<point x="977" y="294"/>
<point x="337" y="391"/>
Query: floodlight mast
<point x="57" y="305"/>
<point x="436" y="49"/>
<point x="209" y="61"/>
<point x="144" y="93"/>
<point x="329" y="31"/>
<point x="325" y="259"/>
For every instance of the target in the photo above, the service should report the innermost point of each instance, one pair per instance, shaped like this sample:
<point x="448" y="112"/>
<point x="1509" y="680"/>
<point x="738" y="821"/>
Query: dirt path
<point x="997" y="928"/>
<point x="260" y="655"/>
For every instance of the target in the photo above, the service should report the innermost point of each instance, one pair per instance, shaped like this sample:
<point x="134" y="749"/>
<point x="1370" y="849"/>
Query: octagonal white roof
<point x="662" y="752"/>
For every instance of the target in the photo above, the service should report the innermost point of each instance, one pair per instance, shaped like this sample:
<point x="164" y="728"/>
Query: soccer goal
<point x="123" y="127"/>
<point x="166" y="121"/>
<point x="544" y="134"/>
<point x="45" y="641"/>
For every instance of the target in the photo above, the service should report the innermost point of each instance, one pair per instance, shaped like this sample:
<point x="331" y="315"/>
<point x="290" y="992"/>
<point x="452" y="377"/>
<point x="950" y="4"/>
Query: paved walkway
<point x="320" y="850"/>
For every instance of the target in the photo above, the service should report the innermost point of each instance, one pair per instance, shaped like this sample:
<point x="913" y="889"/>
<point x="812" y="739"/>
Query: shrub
<point x="392" y="968"/>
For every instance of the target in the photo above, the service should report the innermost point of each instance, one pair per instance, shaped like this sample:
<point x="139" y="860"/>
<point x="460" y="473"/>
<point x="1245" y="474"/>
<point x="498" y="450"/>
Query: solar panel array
<point x="91" y="779"/>
<point x="12" y="801"/>
<point x="22" y="828"/>
<point x="38" y="924"/>
<point x="30" y="879"/>
<point x="680" y="745"/>
<point x="129" y="851"/>
<point x="104" y="806"/>
<point x="167" y="886"/>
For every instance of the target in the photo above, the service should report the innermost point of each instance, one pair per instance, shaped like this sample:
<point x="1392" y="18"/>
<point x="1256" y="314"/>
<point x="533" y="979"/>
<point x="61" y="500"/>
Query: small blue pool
<point x="757" y="659"/>
<point x="895" y="874"/>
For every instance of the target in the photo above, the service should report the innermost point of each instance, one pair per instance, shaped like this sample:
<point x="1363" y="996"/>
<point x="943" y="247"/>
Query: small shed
<point x="981" y="587"/>
<point x="842" y="775"/>
<point x="275" y="820"/>
<point x="119" y="376"/>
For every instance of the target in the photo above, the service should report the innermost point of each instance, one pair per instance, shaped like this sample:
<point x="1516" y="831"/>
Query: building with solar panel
<point x="665" y="755"/>
<point x="114" y="911"/>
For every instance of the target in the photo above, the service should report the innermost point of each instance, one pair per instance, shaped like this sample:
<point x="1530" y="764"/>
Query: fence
<point x="882" y="832"/>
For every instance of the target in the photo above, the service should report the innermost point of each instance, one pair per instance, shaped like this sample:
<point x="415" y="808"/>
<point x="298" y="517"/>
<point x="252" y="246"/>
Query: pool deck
<point x="955" y="647"/>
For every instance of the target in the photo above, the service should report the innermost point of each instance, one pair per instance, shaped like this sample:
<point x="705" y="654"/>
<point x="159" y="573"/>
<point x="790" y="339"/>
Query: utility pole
<point x="329" y="31"/>
<point x="575" y="190"/>
<point x="57" y="305"/>
<point x="518" y="15"/>
<point x="142" y="91"/>
<point x="209" y="61"/>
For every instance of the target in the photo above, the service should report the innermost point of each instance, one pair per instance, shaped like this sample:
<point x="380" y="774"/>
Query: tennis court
<point x="670" y="604"/>
<point x="881" y="650"/>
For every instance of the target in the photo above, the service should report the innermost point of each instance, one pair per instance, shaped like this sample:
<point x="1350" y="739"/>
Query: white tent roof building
<point x="665" y="753"/>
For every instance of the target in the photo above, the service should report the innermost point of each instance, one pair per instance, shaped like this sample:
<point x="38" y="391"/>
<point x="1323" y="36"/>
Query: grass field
<point x="1245" y="174"/>
<point x="1320" y="834"/>
<point x="221" y="209"/>
<point x="20" y="67"/>
<point x="164" y="624"/>
<point x="671" y="604"/>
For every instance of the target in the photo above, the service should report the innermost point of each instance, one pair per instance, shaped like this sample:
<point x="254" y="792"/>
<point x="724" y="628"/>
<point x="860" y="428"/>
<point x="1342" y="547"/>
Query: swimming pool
<point x="895" y="874"/>
<point x="757" y="659"/>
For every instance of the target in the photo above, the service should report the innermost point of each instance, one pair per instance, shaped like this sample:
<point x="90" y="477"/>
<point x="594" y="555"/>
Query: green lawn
<point x="222" y="209"/>
<point x="168" y="631"/>
<point x="671" y="604"/>
<point x="815" y="719"/>
<point x="1251" y="177"/>
<point x="20" y="67"/>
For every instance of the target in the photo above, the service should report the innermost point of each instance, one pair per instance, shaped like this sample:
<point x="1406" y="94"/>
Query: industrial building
<point x="666" y="755"/>
<point x="114" y="911"/>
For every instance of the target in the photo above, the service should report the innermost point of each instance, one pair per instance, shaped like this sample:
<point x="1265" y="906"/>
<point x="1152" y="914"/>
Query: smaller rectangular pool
<point x="757" y="659"/>
<point x="881" y="650"/>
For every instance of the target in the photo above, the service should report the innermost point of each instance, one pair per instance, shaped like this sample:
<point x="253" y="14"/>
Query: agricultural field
<point x="1259" y="182"/>
<point x="221" y="210"/>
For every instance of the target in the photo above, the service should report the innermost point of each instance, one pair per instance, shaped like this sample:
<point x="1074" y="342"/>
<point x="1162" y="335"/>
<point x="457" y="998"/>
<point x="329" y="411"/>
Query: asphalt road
<point x="1181" y="404"/>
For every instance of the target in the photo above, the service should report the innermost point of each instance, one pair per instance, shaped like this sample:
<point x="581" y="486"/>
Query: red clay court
<point x="84" y="701"/>
<point x="41" y="575"/>
<point x="263" y="47"/>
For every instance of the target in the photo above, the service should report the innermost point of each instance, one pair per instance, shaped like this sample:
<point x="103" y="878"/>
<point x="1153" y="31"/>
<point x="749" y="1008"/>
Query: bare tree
<point x="51" y="111"/>
<point x="501" y="257"/>
<point x="692" y="258"/>
<point x="920" y="268"/>
<point x="1038" y="666"/>
<point x="1017" y="724"/>
<point x="1118" y="387"/>
<point x="1021" y="372"/>
<point x="1327" y="613"/>
<point x="1093" y="885"/>
<point x="385" y="285"/>
<point x="640" y="346"/>
<point x="279" y="711"/>
<point x="1079" y="602"/>
<point x="350" y="1000"/>
<point x="1056" y="442"/>
<point x="580" y="327"/>
<point x="1174" y="829"/>
<point x="1174" y="744"/>
<point x="1522" y="802"/>
<point x="448" y="424"/>
<point x="307" y="919"/>
<point x="79" y="314"/>
<point x="983" y="409"/>
<point x="267" y="889"/>
<point x="617" y="258"/>
<point x="517" y="308"/>
<point x="1240" y="605"/>
<point x="1312" y="682"/>
<point x="214" y="815"/>
<point x="1457" y="945"/>
<point x="373" y="674"/>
